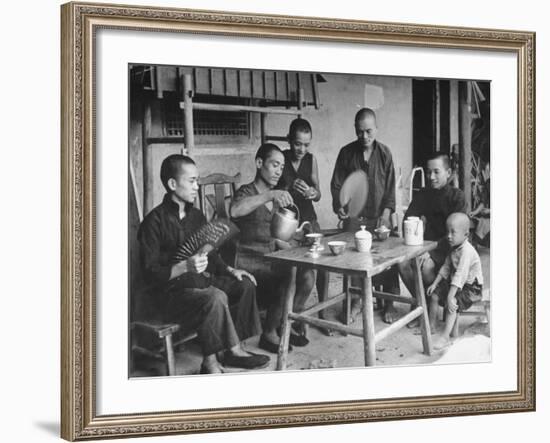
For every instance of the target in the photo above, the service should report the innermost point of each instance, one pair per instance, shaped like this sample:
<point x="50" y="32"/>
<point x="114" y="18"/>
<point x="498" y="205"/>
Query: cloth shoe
<point x="252" y="361"/>
<point x="299" y="340"/>
<point x="268" y="346"/>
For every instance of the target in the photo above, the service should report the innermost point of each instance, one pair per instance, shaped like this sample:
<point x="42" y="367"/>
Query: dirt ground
<point x="338" y="351"/>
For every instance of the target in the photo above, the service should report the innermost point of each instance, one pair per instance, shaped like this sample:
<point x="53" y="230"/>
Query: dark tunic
<point x="381" y="195"/>
<point x="159" y="236"/>
<point x="307" y="212"/>
<point x="200" y="302"/>
<point x="436" y="205"/>
<point x="380" y="172"/>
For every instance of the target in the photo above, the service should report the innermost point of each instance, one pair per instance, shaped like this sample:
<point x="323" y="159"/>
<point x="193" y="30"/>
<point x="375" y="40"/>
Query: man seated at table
<point x="433" y="205"/>
<point x="185" y="293"/>
<point x="368" y="154"/>
<point x="252" y="209"/>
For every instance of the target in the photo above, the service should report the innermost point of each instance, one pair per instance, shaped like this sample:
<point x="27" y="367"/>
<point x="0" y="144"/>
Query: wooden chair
<point x="224" y="186"/>
<point x="216" y="205"/>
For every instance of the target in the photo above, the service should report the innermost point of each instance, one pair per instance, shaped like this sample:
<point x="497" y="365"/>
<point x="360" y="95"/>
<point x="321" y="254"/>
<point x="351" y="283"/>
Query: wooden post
<point x="316" y="99"/>
<point x="369" y="344"/>
<point x="148" y="178"/>
<point x="263" y="135"/>
<point x="136" y="192"/>
<point x="156" y="81"/>
<point x="301" y="98"/>
<point x="287" y="308"/>
<point x="437" y="116"/>
<point x="421" y="301"/>
<point x="323" y="280"/>
<point x="170" y="357"/>
<point x="188" y="114"/>
<point x="465" y="140"/>
<point x="347" y="301"/>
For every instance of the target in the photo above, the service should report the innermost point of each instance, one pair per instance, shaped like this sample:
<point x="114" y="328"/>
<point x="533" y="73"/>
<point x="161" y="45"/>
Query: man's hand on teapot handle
<point x="282" y="198"/>
<point x="281" y="244"/>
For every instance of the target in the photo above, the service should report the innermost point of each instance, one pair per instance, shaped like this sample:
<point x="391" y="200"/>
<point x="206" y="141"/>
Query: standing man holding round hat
<point x="366" y="153"/>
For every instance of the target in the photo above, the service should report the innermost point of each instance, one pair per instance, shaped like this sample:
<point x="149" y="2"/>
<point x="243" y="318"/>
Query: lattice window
<point x="220" y="123"/>
<point x="210" y="123"/>
<point x="207" y="123"/>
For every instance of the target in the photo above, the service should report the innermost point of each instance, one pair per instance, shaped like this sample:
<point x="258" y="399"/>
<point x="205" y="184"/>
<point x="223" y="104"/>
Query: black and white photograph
<point x="292" y="220"/>
<point x="272" y="220"/>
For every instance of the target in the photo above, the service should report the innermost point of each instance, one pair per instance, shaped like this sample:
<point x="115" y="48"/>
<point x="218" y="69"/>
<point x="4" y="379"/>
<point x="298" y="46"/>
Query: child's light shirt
<point x="462" y="265"/>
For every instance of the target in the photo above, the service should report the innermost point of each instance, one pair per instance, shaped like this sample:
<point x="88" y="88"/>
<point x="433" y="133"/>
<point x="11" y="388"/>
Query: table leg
<point x="347" y="301"/>
<point x="285" y="332"/>
<point x="170" y="357"/>
<point x="368" y="322"/>
<point x="421" y="301"/>
<point x="323" y="293"/>
<point x="324" y="280"/>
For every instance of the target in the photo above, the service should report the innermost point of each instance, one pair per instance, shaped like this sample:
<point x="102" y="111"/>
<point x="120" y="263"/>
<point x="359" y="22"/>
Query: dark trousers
<point x="223" y="314"/>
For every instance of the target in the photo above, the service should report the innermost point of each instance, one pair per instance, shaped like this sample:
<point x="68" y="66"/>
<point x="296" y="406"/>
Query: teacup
<point x="382" y="233"/>
<point x="314" y="239"/>
<point x="337" y="247"/>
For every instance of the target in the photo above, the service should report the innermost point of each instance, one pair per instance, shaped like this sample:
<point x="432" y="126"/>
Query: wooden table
<point x="364" y="265"/>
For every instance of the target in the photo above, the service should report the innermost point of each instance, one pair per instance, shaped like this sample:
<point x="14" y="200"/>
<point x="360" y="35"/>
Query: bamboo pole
<point x="287" y="311"/>
<point x="398" y="324"/>
<point x="421" y="302"/>
<point x="240" y="108"/>
<point x="394" y="297"/>
<point x="263" y="134"/>
<point x="368" y="323"/>
<point x="437" y="116"/>
<point x="324" y="304"/>
<point x="148" y="178"/>
<point x="188" y="114"/>
<point x="465" y="140"/>
<point x="326" y="324"/>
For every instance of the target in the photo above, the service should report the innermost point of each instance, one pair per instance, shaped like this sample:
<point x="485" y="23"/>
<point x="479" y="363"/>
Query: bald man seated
<point x="460" y="280"/>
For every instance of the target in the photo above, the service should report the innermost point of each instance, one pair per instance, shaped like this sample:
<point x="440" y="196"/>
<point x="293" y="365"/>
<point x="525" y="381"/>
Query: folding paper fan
<point x="208" y="237"/>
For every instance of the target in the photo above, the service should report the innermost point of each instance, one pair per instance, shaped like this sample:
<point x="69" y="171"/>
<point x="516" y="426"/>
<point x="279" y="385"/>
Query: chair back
<point x="224" y="186"/>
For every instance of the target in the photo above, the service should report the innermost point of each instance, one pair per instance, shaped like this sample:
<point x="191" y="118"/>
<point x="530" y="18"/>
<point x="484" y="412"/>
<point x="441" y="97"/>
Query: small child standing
<point x="459" y="282"/>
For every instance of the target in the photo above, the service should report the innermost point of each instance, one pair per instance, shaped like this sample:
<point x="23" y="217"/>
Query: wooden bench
<point x="480" y="308"/>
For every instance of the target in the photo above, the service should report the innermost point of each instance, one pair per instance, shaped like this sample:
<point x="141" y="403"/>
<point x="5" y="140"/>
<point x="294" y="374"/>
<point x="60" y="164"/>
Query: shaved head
<point x="459" y="220"/>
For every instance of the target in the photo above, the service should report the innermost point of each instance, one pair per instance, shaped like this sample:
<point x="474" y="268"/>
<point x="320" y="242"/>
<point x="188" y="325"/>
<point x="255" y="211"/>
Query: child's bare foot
<point x="389" y="315"/>
<point x="414" y="324"/>
<point x="441" y="343"/>
<point x="418" y="330"/>
<point x="355" y="310"/>
<point x="210" y="367"/>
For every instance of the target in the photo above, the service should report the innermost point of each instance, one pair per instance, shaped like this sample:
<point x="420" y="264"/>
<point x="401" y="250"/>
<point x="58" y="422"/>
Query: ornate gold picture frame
<point x="79" y="396"/>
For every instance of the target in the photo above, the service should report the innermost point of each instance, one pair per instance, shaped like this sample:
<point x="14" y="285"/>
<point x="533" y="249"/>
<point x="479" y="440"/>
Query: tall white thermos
<point x="413" y="231"/>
